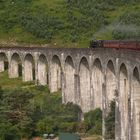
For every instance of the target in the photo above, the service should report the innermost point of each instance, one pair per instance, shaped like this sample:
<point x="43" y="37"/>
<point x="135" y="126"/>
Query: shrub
<point x="126" y="32"/>
<point x="94" y="121"/>
<point x="41" y="25"/>
<point x="130" y="18"/>
<point x="110" y="122"/>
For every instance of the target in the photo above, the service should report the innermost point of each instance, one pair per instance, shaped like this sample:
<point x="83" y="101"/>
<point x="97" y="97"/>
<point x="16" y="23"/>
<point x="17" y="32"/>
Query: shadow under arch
<point x="29" y="68"/>
<point x="43" y="70"/>
<point x="3" y="62"/>
<point x="69" y="80"/>
<point x="84" y="76"/>
<point x="97" y="80"/>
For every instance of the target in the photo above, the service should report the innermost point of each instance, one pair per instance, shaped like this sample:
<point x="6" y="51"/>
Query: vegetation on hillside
<point x="7" y="83"/>
<point x="68" y="21"/>
<point x="27" y="111"/>
<point x="34" y="112"/>
<point x="110" y="122"/>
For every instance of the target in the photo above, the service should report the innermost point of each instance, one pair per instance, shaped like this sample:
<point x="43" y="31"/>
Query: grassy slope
<point x="7" y="83"/>
<point x="57" y="8"/>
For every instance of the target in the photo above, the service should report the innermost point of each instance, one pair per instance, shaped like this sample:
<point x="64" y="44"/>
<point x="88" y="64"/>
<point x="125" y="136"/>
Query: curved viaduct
<point x="91" y="78"/>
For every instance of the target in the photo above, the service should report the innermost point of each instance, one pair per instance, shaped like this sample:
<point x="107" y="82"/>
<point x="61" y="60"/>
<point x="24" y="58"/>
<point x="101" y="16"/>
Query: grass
<point x="10" y="84"/>
<point x="6" y="83"/>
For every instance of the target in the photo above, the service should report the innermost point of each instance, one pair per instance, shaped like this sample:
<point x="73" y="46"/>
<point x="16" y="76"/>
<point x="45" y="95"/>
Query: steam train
<point x="132" y="45"/>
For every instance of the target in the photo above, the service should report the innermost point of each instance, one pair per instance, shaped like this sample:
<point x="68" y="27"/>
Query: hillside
<point x="68" y="23"/>
<point x="27" y="111"/>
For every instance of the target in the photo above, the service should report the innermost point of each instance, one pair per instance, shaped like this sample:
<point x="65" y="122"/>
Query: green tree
<point x="94" y="121"/>
<point x="110" y="122"/>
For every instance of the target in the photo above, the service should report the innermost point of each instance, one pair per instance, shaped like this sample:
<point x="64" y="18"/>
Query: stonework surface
<point x="91" y="78"/>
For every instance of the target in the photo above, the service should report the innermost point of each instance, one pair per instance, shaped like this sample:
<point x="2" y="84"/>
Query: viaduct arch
<point x="84" y="76"/>
<point x="110" y="83"/>
<point x="69" y="80"/>
<point x="136" y="103"/>
<point x="90" y="78"/>
<point x="29" y="68"/>
<point x="15" y="66"/>
<point x="55" y="74"/>
<point x="3" y="62"/>
<point x="97" y="81"/>
<point x="42" y="70"/>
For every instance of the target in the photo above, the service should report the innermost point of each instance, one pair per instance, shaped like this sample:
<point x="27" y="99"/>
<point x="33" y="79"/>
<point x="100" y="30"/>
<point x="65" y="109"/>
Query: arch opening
<point x="123" y="97"/>
<point x="69" y="78"/>
<point x="85" y="94"/>
<point x="136" y="103"/>
<point x="42" y="70"/>
<point x="110" y="101"/>
<point x="29" y="68"/>
<point x="3" y="62"/>
<point x="15" y="69"/>
<point x="55" y="74"/>
<point x="97" y="79"/>
<point x="110" y="83"/>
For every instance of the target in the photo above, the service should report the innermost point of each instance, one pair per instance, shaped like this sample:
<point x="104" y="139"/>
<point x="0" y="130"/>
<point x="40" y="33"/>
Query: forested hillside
<point x="27" y="111"/>
<point x="68" y="23"/>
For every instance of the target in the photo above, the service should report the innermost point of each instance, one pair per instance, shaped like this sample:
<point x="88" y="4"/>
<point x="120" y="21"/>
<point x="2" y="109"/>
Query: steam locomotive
<point x="132" y="45"/>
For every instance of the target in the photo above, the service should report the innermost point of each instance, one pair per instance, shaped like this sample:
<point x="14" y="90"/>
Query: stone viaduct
<point x="91" y="78"/>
